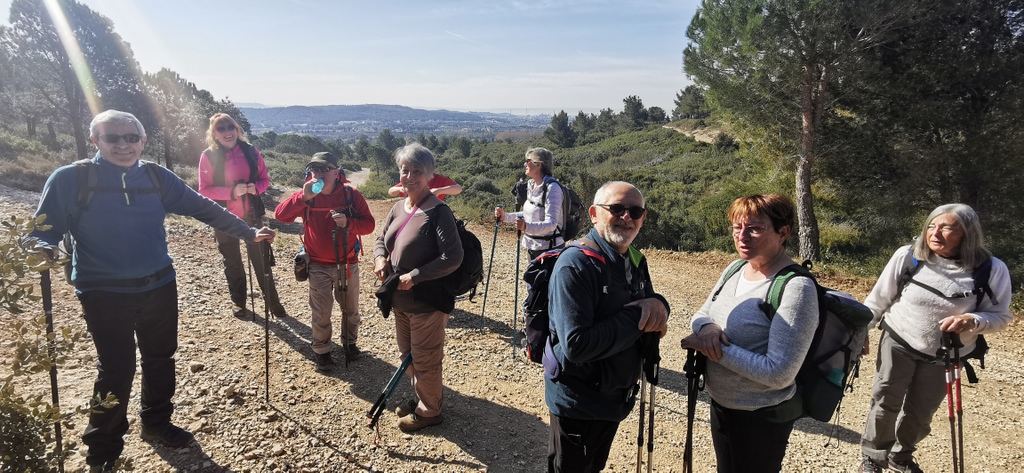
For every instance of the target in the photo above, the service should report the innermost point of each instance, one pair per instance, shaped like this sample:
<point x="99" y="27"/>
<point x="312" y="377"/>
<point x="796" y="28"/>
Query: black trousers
<point x="235" y="271"/>
<point x="579" y="445"/>
<point x="116" y="320"/>
<point x="747" y="443"/>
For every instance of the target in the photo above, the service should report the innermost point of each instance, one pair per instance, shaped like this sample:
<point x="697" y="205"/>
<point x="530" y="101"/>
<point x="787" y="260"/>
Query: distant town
<point x="352" y="121"/>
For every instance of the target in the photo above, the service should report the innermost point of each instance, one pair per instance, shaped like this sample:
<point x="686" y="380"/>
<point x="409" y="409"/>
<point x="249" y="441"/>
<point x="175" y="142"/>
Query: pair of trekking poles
<point x="267" y="255"/>
<point x="487" y="284"/>
<point x="950" y="353"/>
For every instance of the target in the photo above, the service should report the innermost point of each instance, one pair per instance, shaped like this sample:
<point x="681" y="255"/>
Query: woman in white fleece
<point x="909" y="380"/>
<point x="754" y="359"/>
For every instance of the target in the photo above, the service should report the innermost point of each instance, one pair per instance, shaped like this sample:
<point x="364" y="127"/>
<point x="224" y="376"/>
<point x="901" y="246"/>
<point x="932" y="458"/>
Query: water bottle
<point x="318" y="186"/>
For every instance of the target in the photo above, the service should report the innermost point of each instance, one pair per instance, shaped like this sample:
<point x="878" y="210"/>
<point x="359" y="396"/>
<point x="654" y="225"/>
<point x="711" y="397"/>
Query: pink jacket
<point x="236" y="168"/>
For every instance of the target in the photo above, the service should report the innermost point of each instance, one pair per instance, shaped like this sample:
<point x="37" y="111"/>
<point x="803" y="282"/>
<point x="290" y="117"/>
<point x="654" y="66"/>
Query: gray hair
<point x="972" y="248"/>
<point x="114" y="117"/>
<point x="602" y="192"/>
<point x="416" y="155"/>
<point x="544" y="157"/>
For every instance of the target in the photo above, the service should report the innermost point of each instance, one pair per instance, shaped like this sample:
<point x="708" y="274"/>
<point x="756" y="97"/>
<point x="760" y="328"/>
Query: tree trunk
<point x="811" y="102"/>
<point x="30" y="123"/>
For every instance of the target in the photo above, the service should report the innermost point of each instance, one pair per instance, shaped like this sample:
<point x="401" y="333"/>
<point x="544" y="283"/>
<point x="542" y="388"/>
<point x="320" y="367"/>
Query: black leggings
<point x="747" y="443"/>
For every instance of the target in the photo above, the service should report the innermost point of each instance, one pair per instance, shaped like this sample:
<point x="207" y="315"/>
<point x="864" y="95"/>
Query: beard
<point x="619" y="236"/>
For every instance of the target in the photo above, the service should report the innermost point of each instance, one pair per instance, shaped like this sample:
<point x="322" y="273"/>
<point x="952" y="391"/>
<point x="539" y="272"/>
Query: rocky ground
<point x="495" y="418"/>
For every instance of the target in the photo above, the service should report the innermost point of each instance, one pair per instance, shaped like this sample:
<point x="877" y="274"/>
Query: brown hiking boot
<point x="414" y="422"/>
<point x="406" y="408"/>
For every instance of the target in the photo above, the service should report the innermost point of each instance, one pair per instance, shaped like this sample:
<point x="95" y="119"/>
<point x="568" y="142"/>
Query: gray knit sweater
<point x="916" y="313"/>
<point x="759" y="368"/>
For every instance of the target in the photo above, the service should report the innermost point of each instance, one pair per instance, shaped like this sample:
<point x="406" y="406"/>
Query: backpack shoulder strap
<point x="778" y="285"/>
<point x="153" y="169"/>
<point x="252" y="158"/>
<point x="981" y="275"/>
<point x="86" y="177"/>
<point x="729" y="273"/>
<point x="910" y="267"/>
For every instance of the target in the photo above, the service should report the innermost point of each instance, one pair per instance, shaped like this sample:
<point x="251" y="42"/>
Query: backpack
<point x="470" y="272"/>
<point x="572" y="212"/>
<point x="836" y="347"/>
<point x="535" y="308"/>
<point x="87" y="188"/>
<point x="981" y="289"/>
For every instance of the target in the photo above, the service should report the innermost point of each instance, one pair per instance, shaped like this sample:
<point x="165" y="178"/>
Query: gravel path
<point x="495" y="418"/>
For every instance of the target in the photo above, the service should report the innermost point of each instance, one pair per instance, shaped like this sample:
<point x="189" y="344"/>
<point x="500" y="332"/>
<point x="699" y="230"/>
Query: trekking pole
<point x="47" y="292"/>
<point x="954" y="339"/>
<point x="651" y="368"/>
<point x="640" y="430"/>
<point x="694" y="369"/>
<point x="337" y="262"/>
<point x="265" y="254"/>
<point x="344" y="293"/>
<point x="252" y="291"/>
<point x="515" y="309"/>
<point x="946" y="352"/>
<point x="382" y="401"/>
<point x="487" y="285"/>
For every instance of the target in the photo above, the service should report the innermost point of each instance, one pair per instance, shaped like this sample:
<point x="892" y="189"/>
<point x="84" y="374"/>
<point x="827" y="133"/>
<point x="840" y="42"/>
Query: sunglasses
<point x="225" y="128"/>
<point x="321" y="169"/>
<point x="636" y="212"/>
<point x="115" y="139"/>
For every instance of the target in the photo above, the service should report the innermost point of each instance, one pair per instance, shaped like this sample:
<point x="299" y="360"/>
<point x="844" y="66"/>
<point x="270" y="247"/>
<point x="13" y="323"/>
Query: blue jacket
<point x="594" y="338"/>
<point x="121" y="234"/>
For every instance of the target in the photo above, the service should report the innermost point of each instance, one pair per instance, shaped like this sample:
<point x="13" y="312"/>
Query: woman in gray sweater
<point x="921" y="294"/>
<point x="754" y="359"/>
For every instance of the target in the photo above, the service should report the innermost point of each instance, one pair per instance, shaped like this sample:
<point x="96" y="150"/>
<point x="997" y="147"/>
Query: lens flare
<point x="78" y="62"/>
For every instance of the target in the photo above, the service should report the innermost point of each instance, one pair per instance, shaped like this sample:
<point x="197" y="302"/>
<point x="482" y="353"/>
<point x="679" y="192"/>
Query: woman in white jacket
<point x="541" y="220"/>
<point x="926" y="289"/>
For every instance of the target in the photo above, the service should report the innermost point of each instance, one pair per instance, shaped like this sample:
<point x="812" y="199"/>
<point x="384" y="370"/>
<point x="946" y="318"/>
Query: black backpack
<point x="535" y="308"/>
<point x="87" y="188"/>
<point x="471" y="271"/>
<point x="981" y="289"/>
<point x="835" y="351"/>
<point x="572" y="212"/>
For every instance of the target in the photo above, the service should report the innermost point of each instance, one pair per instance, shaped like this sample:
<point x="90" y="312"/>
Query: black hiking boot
<point x="908" y="466"/>
<point x="167" y="434"/>
<point x="867" y="465"/>
<point x="324" y="362"/>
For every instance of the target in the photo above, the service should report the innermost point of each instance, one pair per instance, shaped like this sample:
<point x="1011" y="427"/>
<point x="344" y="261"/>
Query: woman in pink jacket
<point x="232" y="173"/>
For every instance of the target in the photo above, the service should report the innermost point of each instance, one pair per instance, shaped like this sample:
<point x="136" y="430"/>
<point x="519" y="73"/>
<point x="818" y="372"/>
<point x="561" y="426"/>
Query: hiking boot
<point x="909" y="466"/>
<point x="279" y="312"/>
<point x="104" y="468"/>
<point x="414" y="422"/>
<point x="241" y="313"/>
<point x="323" y="361"/>
<point x="406" y="408"/>
<point x="867" y="465"/>
<point x="353" y="352"/>
<point x="167" y="434"/>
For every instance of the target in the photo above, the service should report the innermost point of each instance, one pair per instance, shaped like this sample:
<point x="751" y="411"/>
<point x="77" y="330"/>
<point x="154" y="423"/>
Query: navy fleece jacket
<point x="595" y="338"/>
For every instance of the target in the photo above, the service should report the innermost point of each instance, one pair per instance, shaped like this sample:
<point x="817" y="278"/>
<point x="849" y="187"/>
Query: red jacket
<point x="318" y="225"/>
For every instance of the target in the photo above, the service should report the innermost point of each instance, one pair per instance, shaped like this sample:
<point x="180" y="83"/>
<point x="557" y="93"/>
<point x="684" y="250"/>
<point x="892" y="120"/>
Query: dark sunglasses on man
<point x="320" y="169"/>
<point x="618" y="210"/>
<point x="115" y="139"/>
<point x="225" y="128"/>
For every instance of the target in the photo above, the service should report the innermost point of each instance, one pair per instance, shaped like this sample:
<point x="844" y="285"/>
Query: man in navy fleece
<point x="599" y="312"/>
<point x="123" y="275"/>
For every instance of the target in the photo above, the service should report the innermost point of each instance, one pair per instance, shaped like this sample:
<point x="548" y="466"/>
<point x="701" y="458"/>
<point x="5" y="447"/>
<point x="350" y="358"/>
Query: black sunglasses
<point x="320" y="169"/>
<point x="636" y="212"/>
<point x="225" y="128"/>
<point x="115" y="139"/>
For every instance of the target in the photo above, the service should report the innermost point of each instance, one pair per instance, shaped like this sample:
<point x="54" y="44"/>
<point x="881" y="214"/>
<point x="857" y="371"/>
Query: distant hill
<point x="349" y="121"/>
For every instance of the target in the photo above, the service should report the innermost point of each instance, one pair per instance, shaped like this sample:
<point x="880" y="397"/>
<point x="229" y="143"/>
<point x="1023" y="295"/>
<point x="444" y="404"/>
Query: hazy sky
<point x="539" y="56"/>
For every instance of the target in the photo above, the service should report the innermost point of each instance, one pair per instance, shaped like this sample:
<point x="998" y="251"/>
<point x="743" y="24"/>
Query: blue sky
<point x="526" y="56"/>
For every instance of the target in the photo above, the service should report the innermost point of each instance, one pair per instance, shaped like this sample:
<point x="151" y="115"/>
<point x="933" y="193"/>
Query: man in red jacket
<point x="329" y="209"/>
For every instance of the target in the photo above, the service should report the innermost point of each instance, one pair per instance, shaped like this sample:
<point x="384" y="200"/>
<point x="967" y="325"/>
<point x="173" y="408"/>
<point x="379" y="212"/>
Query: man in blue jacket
<point x="598" y="311"/>
<point x="123" y="275"/>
